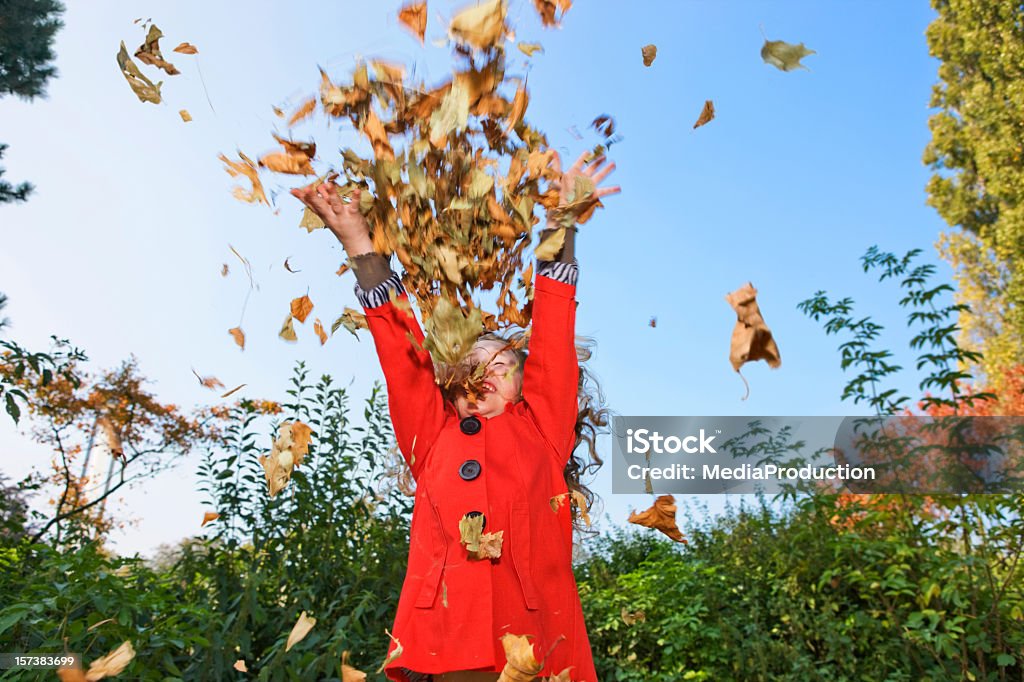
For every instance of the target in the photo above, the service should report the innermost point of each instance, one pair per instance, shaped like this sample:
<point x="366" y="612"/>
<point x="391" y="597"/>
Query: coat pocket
<point x="438" y="556"/>
<point x="520" y="518"/>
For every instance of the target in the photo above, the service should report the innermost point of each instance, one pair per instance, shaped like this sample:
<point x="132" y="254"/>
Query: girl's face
<point x="503" y="383"/>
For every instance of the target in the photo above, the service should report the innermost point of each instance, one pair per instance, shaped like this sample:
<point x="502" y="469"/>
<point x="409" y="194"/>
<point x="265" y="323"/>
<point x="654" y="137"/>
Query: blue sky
<point x="120" y="247"/>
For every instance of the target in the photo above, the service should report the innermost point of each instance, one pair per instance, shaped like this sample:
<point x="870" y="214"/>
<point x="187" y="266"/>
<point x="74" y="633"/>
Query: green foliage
<point x="333" y="544"/>
<point x="815" y="593"/>
<point x="10" y="193"/>
<point x="977" y="151"/>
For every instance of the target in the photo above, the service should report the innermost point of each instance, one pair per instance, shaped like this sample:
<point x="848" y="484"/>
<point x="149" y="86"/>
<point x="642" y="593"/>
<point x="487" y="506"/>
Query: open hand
<point x="340" y="214"/>
<point x="592" y="170"/>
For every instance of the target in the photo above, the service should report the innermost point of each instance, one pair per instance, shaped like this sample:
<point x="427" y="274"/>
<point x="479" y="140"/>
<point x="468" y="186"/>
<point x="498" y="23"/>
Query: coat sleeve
<point x="551" y="374"/>
<point x="414" y="398"/>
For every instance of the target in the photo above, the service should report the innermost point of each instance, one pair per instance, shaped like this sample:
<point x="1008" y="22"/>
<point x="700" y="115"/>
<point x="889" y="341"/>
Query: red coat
<point x="453" y="610"/>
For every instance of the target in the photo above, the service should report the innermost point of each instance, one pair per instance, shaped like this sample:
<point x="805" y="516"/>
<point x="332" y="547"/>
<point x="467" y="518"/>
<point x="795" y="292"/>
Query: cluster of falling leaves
<point x="287" y="452"/>
<point x="149" y="53"/>
<point x="454" y="178"/>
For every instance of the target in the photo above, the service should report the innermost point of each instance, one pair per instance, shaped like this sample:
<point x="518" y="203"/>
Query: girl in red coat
<point x="502" y="455"/>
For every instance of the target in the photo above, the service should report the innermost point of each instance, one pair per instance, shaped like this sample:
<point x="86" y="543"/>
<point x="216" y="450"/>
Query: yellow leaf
<point x="247" y="168"/>
<point x="649" y="52"/>
<point x="318" y="329"/>
<point x="112" y="664"/>
<point x="288" y="330"/>
<point x="143" y="88"/>
<point x="551" y="245"/>
<point x="209" y="516"/>
<point x="238" y="335"/>
<point x="185" y="116"/>
<point x="352" y="320"/>
<point x="482" y="26"/>
<point x="529" y="48"/>
<point x="301" y="308"/>
<point x="301" y="628"/>
<point x="470" y="530"/>
<point x="414" y="18"/>
<point x="784" y="56"/>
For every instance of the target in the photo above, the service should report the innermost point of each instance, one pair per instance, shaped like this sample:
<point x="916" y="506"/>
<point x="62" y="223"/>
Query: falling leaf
<point x="394" y="654"/>
<point x="451" y="116"/>
<point x="301" y="308"/>
<point x="247" y="168"/>
<point x="414" y="18"/>
<point x="489" y="546"/>
<point x="751" y="338"/>
<point x="208" y="517"/>
<point x="240" y="666"/>
<point x="294" y="160"/>
<point x="185" y="116"/>
<point x="521" y="664"/>
<point x="112" y="435"/>
<point x="143" y="88"/>
<point x="318" y="328"/>
<point x="451" y="333"/>
<point x="551" y="245"/>
<point x="632" y="617"/>
<point x="352" y="320"/>
<point x="562" y="676"/>
<point x="653" y="322"/>
<point x="278" y="112"/>
<point x="112" y="664"/>
<point x="208" y="382"/>
<point x="307" y="108"/>
<point x="236" y="388"/>
<point x="186" y="48"/>
<point x="238" y="335"/>
<point x="289" y="267"/>
<point x="224" y="270"/>
<point x="661" y="516"/>
<point x="649" y="52"/>
<point x="604" y="124"/>
<point x="546" y="9"/>
<point x="348" y="673"/>
<point x="71" y="674"/>
<point x="706" y="114"/>
<point x="310" y="220"/>
<point x="519" y="104"/>
<point x="149" y="52"/>
<point x="288" y="330"/>
<point x="530" y="48"/>
<point x="301" y="628"/>
<point x="482" y="26"/>
<point x="783" y="55"/>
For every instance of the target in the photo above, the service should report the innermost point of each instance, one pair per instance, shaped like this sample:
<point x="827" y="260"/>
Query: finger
<point x="603" y="173"/>
<point x="595" y="164"/>
<point x="578" y="166"/>
<point x="556" y="162"/>
<point x="606" y="191"/>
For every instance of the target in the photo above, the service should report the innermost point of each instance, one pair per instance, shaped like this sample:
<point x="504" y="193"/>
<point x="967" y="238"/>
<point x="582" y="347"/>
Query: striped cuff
<point x="566" y="273"/>
<point x="380" y="294"/>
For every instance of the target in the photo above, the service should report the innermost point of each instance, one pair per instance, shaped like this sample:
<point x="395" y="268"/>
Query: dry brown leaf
<point x="318" y="329"/>
<point x="143" y="88"/>
<point x="519" y="104"/>
<point x="240" y="666"/>
<point x="394" y="654"/>
<point x="247" y="168"/>
<point x="521" y="663"/>
<point x="301" y="308"/>
<point x="784" y="56"/>
<point x="470" y="530"/>
<point x="186" y="48"/>
<point x="224" y="270"/>
<point x="348" y="673"/>
<point x="208" y="517"/>
<point x="562" y="676"/>
<point x="238" y="335"/>
<point x="751" y="338"/>
<point x="489" y="546"/>
<point x="654" y="321"/>
<point x="208" y="382"/>
<point x="299" y="631"/>
<point x="112" y="435"/>
<point x="112" y="664"/>
<point x="304" y="110"/>
<point x="706" y="114"/>
<point x="235" y="389"/>
<point x="71" y="674"/>
<point x="185" y="116"/>
<point x="530" y="48"/>
<point x="482" y="25"/>
<point x="547" y="9"/>
<point x="294" y="160"/>
<point x="649" y="52"/>
<point x="289" y="267"/>
<point x="660" y="516"/>
<point x="414" y="18"/>
<point x="352" y="320"/>
<point x="632" y="617"/>
<point x="149" y="52"/>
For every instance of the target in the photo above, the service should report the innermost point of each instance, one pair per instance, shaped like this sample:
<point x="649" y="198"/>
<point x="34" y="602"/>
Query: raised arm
<point x="551" y="373"/>
<point x="414" y="399"/>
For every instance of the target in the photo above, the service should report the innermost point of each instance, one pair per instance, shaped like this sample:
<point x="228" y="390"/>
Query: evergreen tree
<point x="27" y="30"/>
